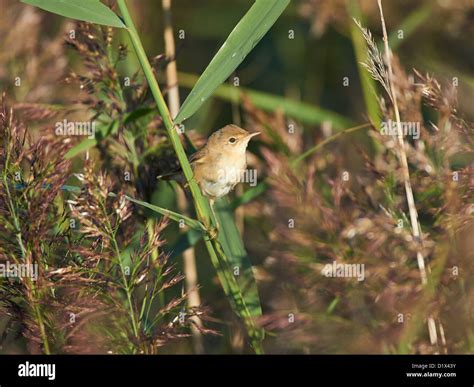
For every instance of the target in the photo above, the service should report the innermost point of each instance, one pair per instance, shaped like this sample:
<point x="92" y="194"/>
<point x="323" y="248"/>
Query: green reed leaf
<point x="238" y="260"/>
<point x="249" y="195"/>
<point x="302" y="111"/>
<point x="92" y="11"/>
<point x="193" y="223"/>
<point x="368" y="85"/>
<point x="409" y="25"/>
<point x="103" y="131"/>
<point x="245" y="36"/>
<point x="81" y="147"/>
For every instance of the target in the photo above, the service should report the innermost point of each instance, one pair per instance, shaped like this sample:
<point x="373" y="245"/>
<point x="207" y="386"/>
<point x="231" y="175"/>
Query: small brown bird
<point x="221" y="163"/>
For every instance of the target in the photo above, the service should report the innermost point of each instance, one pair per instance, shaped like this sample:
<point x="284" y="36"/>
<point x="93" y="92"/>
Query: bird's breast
<point x="226" y="173"/>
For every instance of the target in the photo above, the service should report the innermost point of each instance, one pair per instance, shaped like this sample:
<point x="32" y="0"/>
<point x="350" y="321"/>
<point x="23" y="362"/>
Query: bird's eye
<point x="232" y="140"/>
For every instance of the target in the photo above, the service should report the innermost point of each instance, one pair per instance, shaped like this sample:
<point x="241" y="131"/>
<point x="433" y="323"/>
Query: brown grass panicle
<point x="363" y="221"/>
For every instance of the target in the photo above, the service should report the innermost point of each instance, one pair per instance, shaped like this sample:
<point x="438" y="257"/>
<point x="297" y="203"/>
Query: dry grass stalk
<point x="189" y="257"/>
<point x="406" y="174"/>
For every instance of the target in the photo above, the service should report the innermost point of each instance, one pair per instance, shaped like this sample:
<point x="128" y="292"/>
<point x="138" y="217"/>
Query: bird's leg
<point x="186" y="184"/>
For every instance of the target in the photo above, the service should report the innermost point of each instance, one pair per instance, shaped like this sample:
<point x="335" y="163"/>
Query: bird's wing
<point x="199" y="157"/>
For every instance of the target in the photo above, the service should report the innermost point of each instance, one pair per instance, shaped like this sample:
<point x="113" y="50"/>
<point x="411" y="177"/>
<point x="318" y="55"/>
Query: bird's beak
<point x="253" y="135"/>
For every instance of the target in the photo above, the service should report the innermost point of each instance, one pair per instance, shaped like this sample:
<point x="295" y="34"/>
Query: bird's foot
<point x="213" y="233"/>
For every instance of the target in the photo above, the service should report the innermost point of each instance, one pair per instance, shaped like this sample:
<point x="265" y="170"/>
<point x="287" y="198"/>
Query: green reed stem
<point x="327" y="140"/>
<point x="201" y="204"/>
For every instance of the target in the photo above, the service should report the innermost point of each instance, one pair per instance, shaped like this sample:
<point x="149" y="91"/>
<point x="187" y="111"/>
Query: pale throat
<point x="231" y="165"/>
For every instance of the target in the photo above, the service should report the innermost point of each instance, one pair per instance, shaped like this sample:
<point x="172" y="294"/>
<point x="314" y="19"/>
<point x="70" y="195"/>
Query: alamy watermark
<point x="33" y="370"/>
<point x="344" y="270"/>
<point x="248" y="176"/>
<point x="75" y="128"/>
<point x="19" y="270"/>
<point x="407" y="128"/>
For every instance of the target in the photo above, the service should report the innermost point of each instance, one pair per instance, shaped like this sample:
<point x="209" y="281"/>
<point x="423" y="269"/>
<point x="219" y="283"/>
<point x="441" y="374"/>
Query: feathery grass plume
<point x="130" y="135"/>
<point x="376" y="68"/>
<point x="95" y="284"/>
<point x="32" y="175"/>
<point x="374" y="63"/>
<point x="130" y="282"/>
<point x="138" y="144"/>
<point x="100" y="81"/>
<point x="362" y="221"/>
<point x="445" y="102"/>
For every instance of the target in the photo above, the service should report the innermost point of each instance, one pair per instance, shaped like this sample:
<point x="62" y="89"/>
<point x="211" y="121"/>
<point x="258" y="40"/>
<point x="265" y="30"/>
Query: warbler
<point x="220" y="164"/>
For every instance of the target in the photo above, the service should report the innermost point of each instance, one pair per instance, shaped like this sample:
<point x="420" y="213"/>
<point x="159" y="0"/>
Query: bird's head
<point x="230" y="138"/>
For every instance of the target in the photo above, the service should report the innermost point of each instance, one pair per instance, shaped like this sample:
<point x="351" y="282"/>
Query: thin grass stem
<point x="406" y="177"/>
